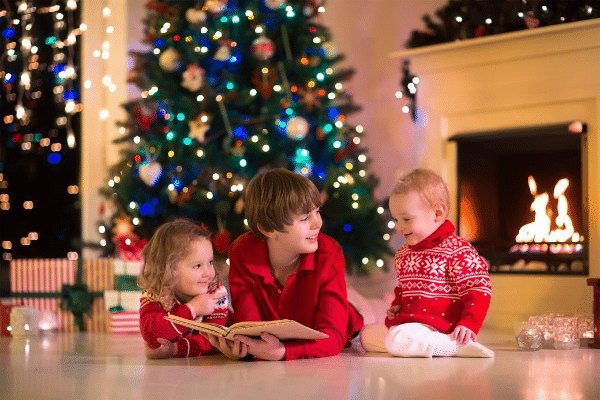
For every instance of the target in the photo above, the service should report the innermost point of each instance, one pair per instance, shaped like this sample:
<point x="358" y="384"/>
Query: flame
<point x="539" y="231"/>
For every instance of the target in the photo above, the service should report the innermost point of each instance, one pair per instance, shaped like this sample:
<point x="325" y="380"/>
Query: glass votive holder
<point x="586" y="326"/>
<point x="545" y="324"/>
<point x="519" y="326"/>
<point x="566" y="333"/>
<point x="530" y="338"/>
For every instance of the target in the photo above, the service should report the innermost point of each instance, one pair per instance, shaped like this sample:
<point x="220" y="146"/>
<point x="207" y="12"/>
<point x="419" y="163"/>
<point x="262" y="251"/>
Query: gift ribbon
<point x="75" y="298"/>
<point x="124" y="283"/>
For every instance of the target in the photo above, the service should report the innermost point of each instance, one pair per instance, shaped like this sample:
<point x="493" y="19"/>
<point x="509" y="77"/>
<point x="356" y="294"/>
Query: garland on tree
<point x="230" y="88"/>
<point x="466" y="19"/>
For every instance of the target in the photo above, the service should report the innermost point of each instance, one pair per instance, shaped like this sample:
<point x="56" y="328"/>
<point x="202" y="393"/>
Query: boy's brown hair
<point x="274" y="197"/>
<point x="430" y="186"/>
<point x="167" y="247"/>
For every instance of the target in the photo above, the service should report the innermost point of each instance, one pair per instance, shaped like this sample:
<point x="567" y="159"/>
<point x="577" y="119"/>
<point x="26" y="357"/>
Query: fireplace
<point x="520" y="197"/>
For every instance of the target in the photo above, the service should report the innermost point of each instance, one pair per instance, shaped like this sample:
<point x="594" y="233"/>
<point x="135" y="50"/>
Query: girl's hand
<point x="268" y="347"/>
<point x="463" y="335"/>
<point x="166" y="349"/>
<point x="392" y="311"/>
<point x="232" y="349"/>
<point x="204" y="304"/>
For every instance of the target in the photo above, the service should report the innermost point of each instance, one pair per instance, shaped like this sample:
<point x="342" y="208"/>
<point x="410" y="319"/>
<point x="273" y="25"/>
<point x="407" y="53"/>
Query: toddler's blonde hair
<point x="428" y="185"/>
<point x="167" y="247"/>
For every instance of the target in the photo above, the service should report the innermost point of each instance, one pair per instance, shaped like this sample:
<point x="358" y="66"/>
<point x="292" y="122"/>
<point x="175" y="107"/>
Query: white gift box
<point x="130" y="301"/>
<point x="127" y="267"/>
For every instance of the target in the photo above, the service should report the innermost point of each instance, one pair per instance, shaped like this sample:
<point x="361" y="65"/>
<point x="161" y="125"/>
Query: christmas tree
<point x="230" y="88"/>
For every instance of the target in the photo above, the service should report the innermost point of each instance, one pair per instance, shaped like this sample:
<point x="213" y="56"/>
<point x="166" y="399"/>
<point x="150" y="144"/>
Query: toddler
<point x="443" y="291"/>
<point x="179" y="278"/>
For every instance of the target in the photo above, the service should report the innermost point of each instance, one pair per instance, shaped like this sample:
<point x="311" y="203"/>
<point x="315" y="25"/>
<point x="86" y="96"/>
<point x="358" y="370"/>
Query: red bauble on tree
<point x="221" y="241"/>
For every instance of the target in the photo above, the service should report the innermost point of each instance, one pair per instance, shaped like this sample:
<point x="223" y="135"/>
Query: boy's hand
<point x="166" y="349"/>
<point x="463" y="335"/>
<point x="204" y="304"/>
<point x="392" y="311"/>
<point x="232" y="349"/>
<point x="268" y="347"/>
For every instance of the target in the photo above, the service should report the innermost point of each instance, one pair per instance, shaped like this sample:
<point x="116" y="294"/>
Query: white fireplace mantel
<point x="527" y="78"/>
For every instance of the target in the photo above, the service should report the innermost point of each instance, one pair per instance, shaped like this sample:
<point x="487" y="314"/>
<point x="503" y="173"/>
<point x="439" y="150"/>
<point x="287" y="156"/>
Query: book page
<point x="283" y="329"/>
<point x="207" y="327"/>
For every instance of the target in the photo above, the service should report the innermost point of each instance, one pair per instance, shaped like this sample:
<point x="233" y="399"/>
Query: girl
<point x="179" y="278"/>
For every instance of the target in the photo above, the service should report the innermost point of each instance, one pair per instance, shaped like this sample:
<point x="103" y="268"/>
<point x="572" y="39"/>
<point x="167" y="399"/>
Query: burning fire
<point x="539" y="231"/>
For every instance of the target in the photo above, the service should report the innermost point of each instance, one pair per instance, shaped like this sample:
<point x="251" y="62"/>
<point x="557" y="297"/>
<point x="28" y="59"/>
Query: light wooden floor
<point x="105" y="366"/>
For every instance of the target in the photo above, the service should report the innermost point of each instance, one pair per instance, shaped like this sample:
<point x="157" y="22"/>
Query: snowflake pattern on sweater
<point x="442" y="282"/>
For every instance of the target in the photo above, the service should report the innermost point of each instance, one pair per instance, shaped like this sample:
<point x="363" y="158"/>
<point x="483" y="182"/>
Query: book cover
<point x="283" y="329"/>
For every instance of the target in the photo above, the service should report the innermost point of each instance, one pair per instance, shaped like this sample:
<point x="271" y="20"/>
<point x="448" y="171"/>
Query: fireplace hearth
<point x="521" y="198"/>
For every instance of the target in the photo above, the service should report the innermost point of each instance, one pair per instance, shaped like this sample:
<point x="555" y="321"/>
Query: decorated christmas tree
<point x="229" y="88"/>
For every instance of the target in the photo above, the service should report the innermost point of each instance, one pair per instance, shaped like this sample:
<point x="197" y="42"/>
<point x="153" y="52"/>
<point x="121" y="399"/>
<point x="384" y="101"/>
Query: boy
<point x="443" y="291"/>
<point x="286" y="269"/>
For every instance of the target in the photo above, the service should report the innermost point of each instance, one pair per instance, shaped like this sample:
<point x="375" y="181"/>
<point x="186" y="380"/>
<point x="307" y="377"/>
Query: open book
<point x="283" y="329"/>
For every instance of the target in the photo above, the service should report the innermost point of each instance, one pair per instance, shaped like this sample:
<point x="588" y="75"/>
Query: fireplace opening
<point x="521" y="198"/>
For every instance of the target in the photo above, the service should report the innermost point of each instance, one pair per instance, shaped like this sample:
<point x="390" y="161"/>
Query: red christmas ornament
<point x="340" y="154"/>
<point x="145" y="116"/>
<point x="130" y="247"/>
<point x="221" y="241"/>
<point x="264" y="82"/>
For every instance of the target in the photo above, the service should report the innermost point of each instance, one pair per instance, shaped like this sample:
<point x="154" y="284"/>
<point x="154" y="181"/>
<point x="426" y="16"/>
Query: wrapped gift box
<point x="124" y="322"/>
<point x="115" y="300"/>
<point x="38" y="283"/>
<point x="126" y="272"/>
<point x="98" y="276"/>
<point x="123" y="302"/>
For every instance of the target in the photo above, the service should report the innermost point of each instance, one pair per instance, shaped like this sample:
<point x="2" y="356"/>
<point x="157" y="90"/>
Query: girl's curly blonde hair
<point x="167" y="247"/>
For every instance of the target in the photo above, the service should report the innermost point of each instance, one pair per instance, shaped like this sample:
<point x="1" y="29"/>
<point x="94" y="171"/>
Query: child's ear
<point x="268" y="235"/>
<point x="440" y="212"/>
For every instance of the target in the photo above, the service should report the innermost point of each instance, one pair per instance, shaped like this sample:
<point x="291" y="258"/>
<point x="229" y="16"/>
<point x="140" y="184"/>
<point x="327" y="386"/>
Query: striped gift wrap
<point x="44" y="278"/>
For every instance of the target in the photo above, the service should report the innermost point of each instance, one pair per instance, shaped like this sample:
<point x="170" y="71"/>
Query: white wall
<point x="367" y="32"/>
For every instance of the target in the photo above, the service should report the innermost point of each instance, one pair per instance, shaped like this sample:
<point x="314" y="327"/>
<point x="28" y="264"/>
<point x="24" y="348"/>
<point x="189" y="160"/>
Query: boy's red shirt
<point x="314" y="295"/>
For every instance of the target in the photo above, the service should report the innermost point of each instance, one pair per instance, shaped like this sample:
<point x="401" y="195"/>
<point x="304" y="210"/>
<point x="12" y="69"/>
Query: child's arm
<point x="470" y="273"/>
<point x="166" y="349"/>
<point x="154" y="326"/>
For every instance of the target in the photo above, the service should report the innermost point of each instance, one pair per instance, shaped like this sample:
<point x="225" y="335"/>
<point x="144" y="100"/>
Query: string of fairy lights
<point x="22" y="76"/>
